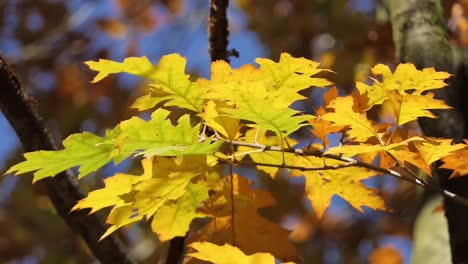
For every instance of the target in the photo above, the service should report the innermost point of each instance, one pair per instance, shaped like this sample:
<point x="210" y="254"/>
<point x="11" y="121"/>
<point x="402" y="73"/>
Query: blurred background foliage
<point x="47" y="42"/>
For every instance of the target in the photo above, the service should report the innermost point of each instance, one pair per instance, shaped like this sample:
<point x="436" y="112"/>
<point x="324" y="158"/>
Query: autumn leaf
<point x="410" y="107"/>
<point x="248" y="227"/>
<point x="228" y="254"/>
<point x="114" y="188"/>
<point x="360" y="128"/>
<point x="140" y="66"/>
<point x="321" y="128"/>
<point x="147" y="102"/>
<point x="227" y="126"/>
<point x="225" y="80"/>
<point x="291" y="73"/>
<point x="164" y="182"/>
<point x="425" y="153"/>
<point x="158" y="136"/>
<point x="174" y="219"/>
<point x="434" y="149"/>
<point x="404" y="81"/>
<point x="321" y="186"/>
<point x="168" y="76"/>
<point x="254" y="104"/>
<point x="457" y="163"/>
<point x="85" y="150"/>
<point x="352" y="150"/>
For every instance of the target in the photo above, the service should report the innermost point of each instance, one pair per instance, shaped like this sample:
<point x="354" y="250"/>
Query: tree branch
<point x="219" y="32"/>
<point x="420" y="37"/>
<point x="348" y="162"/>
<point x="63" y="190"/>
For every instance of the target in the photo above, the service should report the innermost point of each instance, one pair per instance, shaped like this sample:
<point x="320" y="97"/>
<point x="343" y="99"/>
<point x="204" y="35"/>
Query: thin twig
<point x="348" y="163"/>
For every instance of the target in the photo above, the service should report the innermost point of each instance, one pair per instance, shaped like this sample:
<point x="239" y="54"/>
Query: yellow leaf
<point x="434" y="149"/>
<point x="346" y="183"/>
<point x="228" y="127"/>
<point x="174" y="219"/>
<point x="457" y="162"/>
<point x="248" y="227"/>
<point x="360" y="128"/>
<point x="404" y="81"/>
<point x="115" y="186"/>
<point x="411" y="107"/>
<point x="134" y="65"/>
<point x="164" y="182"/>
<point x="228" y="254"/>
<point x="352" y="150"/>
<point x="168" y="76"/>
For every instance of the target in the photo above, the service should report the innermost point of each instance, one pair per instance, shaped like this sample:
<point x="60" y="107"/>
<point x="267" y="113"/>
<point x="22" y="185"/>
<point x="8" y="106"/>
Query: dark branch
<point x="219" y="32"/>
<point x="63" y="189"/>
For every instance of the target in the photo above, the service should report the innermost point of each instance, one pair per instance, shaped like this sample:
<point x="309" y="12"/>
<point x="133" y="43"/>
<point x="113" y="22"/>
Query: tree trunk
<point x="63" y="190"/>
<point x="420" y="37"/>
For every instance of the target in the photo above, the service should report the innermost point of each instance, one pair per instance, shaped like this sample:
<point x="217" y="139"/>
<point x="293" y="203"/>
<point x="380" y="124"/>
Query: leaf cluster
<point x="249" y="113"/>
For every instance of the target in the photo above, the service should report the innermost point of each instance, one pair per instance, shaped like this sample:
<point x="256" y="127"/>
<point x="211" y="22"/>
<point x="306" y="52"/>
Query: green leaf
<point x="158" y="136"/>
<point x="168" y="76"/>
<point x="254" y="104"/>
<point x="85" y="150"/>
<point x="137" y="66"/>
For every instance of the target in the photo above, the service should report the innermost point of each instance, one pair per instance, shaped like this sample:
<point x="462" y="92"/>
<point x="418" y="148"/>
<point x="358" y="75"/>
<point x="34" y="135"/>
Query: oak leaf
<point x="360" y="128"/>
<point x="457" y="163"/>
<point x="227" y="254"/>
<point x="321" y="186"/>
<point x="246" y="225"/>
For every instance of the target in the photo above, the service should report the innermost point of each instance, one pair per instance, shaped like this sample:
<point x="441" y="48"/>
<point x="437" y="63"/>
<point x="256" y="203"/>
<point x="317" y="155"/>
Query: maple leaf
<point x="284" y="79"/>
<point x="321" y="128"/>
<point x="158" y="136"/>
<point x="291" y="73"/>
<point x="254" y="104"/>
<point x="85" y="150"/>
<point x="426" y="152"/>
<point x="228" y="254"/>
<point x="457" y="162"/>
<point x="360" y="128"/>
<point x="174" y="219"/>
<point x="168" y="76"/>
<point x="403" y="90"/>
<point x="114" y="188"/>
<point x="344" y="182"/>
<point x="433" y="149"/>
<point x="225" y="80"/>
<point x="134" y="65"/>
<point x="164" y="182"/>
<point x="248" y="226"/>
<point x="411" y="107"/>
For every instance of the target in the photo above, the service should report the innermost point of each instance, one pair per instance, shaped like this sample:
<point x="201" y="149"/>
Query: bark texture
<point x="420" y="36"/>
<point x="63" y="190"/>
<point x="218" y="30"/>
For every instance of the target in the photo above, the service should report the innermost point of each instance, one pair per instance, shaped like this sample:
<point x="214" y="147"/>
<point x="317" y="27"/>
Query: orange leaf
<point x="321" y="128"/>
<point x="360" y="128"/>
<point x="248" y="228"/>
<point x="457" y="163"/>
